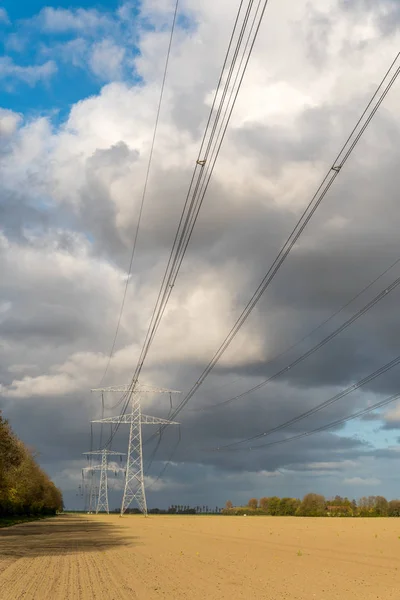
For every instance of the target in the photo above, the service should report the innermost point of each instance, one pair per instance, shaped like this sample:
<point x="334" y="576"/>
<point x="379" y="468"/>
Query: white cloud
<point x="4" y="16"/>
<point x="58" y="20"/>
<point x="331" y="466"/>
<point x="75" y="52"/>
<point x="106" y="60"/>
<point x="30" y="74"/>
<point x="9" y="122"/>
<point x="393" y="415"/>
<point x="16" y="42"/>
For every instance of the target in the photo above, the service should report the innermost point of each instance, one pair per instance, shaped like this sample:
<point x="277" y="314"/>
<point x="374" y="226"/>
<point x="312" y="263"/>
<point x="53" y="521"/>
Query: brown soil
<point x="200" y="558"/>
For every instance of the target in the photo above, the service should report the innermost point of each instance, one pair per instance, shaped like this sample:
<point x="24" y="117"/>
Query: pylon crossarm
<point x="99" y="467"/>
<point x="139" y="388"/>
<point x="123" y="419"/>
<point x="147" y="420"/>
<point x="105" y="451"/>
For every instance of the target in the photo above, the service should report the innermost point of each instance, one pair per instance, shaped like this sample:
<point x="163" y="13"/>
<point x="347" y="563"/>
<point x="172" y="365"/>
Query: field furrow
<point x="81" y="557"/>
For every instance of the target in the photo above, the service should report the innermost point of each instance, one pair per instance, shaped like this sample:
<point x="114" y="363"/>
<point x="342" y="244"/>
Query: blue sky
<point x="28" y="8"/>
<point x="31" y="42"/>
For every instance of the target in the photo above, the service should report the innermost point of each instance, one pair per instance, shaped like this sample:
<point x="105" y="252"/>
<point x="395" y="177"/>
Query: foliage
<point x="24" y="488"/>
<point x="288" y="506"/>
<point x="274" y="506"/>
<point x="341" y="507"/>
<point x="394" y="508"/>
<point x="373" y="506"/>
<point x="266" y="506"/>
<point x="241" y="510"/>
<point x="315" y="505"/>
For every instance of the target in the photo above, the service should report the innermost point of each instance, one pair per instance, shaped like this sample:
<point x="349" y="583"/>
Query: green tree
<point x="24" y="488"/>
<point x="394" y="508"/>
<point x="288" y="506"/>
<point x="366" y="506"/>
<point x="373" y="506"/>
<point x="273" y="506"/>
<point x="381" y="506"/>
<point x="312" y="505"/>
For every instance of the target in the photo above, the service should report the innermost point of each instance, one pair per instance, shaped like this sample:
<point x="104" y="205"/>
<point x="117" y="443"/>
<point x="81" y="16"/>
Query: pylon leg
<point x="102" y="502"/>
<point x="134" y="480"/>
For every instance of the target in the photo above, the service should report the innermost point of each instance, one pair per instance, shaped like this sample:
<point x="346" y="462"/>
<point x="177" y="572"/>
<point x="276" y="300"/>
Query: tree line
<point x="25" y="489"/>
<point x="178" y="509"/>
<point x="316" y="505"/>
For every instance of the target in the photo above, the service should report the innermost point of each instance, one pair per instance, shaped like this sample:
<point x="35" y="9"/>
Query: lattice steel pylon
<point x="102" y="499"/>
<point x="90" y="490"/>
<point x="134" y="478"/>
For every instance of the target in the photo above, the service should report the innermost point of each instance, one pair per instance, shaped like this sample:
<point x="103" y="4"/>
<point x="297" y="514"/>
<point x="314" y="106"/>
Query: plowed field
<point x="200" y="558"/>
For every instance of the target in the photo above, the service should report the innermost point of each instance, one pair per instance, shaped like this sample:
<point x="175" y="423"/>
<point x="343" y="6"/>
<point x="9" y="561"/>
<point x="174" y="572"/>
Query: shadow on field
<point x="64" y="534"/>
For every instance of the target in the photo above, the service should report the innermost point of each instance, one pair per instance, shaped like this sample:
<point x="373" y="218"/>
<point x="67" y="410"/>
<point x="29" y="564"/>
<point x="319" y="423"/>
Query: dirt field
<point x="192" y="558"/>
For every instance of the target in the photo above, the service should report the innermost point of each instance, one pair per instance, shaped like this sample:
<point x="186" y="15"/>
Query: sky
<point x="79" y="87"/>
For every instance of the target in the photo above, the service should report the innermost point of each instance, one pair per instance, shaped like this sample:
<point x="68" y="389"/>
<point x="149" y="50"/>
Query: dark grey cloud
<point x="386" y="14"/>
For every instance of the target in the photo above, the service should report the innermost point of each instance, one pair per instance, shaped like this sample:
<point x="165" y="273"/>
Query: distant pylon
<point x="90" y="492"/>
<point x="134" y="477"/>
<point x="102" y="499"/>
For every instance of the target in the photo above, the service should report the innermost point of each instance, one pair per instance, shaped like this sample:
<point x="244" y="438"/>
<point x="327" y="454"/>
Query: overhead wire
<point x="184" y="232"/>
<point x="202" y="184"/>
<point x="102" y="424"/>
<point x="362" y="311"/>
<point x="160" y="433"/>
<point x="306" y="216"/>
<point x="88" y="493"/>
<point x="188" y="217"/>
<point x="304" y="337"/>
<point x="167" y="462"/>
<point x="336" y="423"/>
<point x="144" y="190"/>
<point x="383" y="294"/>
<point x="312" y="411"/>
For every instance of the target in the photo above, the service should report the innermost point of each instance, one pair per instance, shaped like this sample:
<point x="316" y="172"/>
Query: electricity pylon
<point x="134" y="478"/>
<point x="90" y="490"/>
<point x="102" y="499"/>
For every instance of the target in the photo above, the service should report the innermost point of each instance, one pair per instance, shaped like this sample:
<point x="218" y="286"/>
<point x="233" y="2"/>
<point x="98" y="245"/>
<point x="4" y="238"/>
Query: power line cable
<point x="144" y="190"/>
<point x="324" y="187"/>
<point x="361" y="312"/>
<point x="184" y="236"/>
<point x="314" y="203"/>
<point x="102" y="424"/>
<point x="181" y="234"/>
<point x="383" y="294"/>
<point x="355" y="386"/>
<point x="202" y="185"/>
<point x="168" y="461"/>
<point x="306" y="336"/>
<point x="323" y="427"/>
